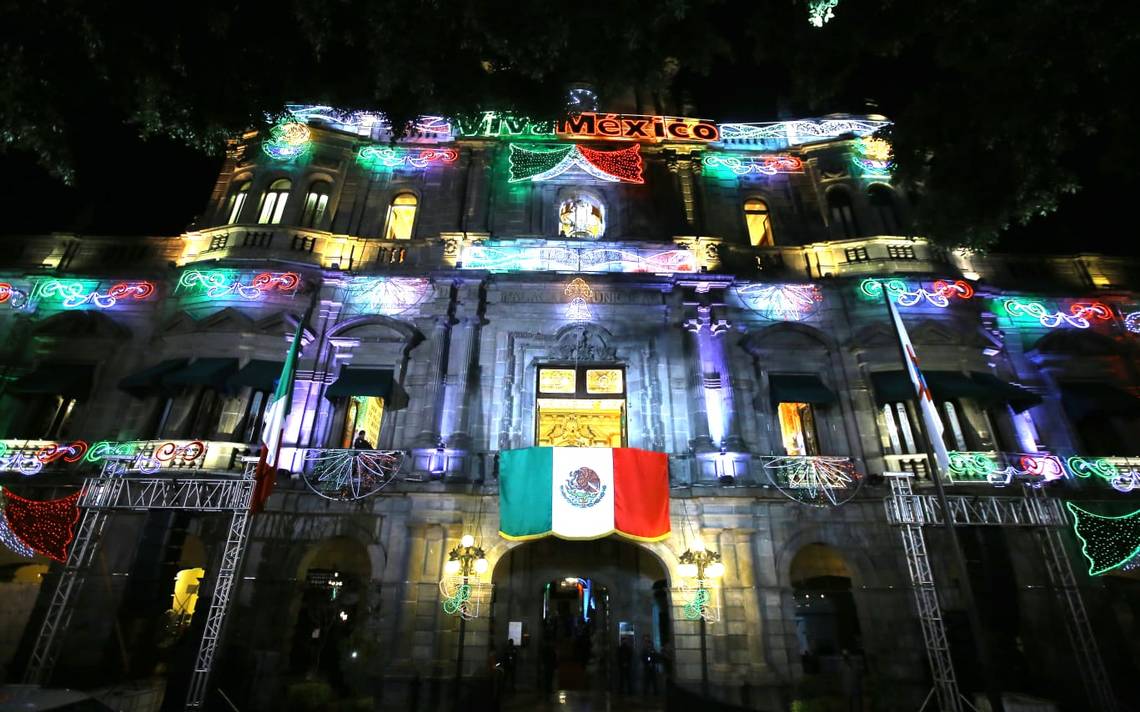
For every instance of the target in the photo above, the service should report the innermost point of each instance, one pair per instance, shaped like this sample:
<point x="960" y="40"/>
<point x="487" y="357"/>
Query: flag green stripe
<point x="525" y="491"/>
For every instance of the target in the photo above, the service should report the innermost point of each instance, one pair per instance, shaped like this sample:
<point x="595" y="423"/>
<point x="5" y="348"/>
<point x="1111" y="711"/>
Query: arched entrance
<point x="570" y="605"/>
<point x="333" y="576"/>
<point x="827" y="623"/>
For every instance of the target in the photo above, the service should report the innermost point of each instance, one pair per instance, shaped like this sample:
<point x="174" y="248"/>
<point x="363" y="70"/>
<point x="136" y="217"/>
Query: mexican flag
<point x="273" y="427"/>
<point x="583" y="493"/>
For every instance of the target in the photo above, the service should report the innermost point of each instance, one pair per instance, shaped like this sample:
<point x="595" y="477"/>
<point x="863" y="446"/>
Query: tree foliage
<point x="1001" y="108"/>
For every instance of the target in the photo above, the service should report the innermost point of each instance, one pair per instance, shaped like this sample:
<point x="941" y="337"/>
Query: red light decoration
<point x="5" y="292"/>
<point x="46" y="526"/>
<point x="624" y="164"/>
<point x="72" y="452"/>
<point x="1091" y="310"/>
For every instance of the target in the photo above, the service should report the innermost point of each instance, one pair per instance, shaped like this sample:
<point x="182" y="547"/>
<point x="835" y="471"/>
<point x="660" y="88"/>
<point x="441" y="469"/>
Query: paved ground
<point x="581" y="701"/>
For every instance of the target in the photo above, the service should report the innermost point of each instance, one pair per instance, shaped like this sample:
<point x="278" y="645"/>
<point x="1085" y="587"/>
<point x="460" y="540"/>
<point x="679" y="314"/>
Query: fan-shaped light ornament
<point x="348" y="475"/>
<point x="781" y="302"/>
<point x="814" y="480"/>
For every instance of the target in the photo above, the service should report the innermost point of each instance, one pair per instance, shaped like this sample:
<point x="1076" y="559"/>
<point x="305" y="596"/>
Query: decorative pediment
<point x="81" y="324"/>
<point x="378" y="328"/>
<point x="787" y="336"/>
<point x="583" y="342"/>
<point x="1072" y="342"/>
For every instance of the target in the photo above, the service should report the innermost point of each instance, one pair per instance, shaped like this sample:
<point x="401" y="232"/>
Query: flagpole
<point x="981" y="649"/>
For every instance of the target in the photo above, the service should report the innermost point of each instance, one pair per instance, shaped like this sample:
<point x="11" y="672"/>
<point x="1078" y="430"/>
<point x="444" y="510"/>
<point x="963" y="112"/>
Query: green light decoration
<point x="1107" y="542"/>
<point x="970" y="466"/>
<point x="695" y="609"/>
<point x="1085" y="467"/>
<point x="287" y="141"/>
<point x="820" y="11"/>
<point x="457" y="603"/>
<point x="539" y="164"/>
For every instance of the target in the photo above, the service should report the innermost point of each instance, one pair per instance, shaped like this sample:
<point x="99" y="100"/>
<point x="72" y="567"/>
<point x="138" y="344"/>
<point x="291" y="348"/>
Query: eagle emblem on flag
<point x="583" y="488"/>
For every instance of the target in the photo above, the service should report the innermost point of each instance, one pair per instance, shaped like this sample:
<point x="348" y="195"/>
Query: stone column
<point x="462" y="356"/>
<point x="432" y="391"/>
<point x="715" y="413"/>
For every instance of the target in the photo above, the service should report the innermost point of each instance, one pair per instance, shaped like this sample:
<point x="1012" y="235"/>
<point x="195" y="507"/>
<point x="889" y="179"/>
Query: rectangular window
<point x="557" y="380"/>
<point x="362" y="417"/>
<point x="896" y="432"/>
<point x="952" y="425"/>
<point x="797" y="429"/>
<point x="400" y="219"/>
<point x="608" y="380"/>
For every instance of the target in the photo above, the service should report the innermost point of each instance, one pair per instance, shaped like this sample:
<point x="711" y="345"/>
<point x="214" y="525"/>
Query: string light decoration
<point x="973" y="467"/>
<point x="580" y="293"/>
<point x="568" y="258"/>
<point x="44" y="526"/>
<point x="873" y="157"/>
<point x="782" y="134"/>
<point x="387" y="295"/>
<point x="781" y="302"/>
<point x="381" y="157"/>
<point x="287" y="141"/>
<point x="820" y="12"/>
<point x="73" y="293"/>
<point x="70" y="452"/>
<point x="1081" y="314"/>
<point x="8" y="537"/>
<point x="1121" y="480"/>
<point x="907" y="295"/>
<point x="348" y="475"/>
<point x="14" y="297"/>
<point x="1107" y="542"/>
<point x="22" y="461"/>
<point x="760" y="165"/>
<point x="818" y="481"/>
<point x="224" y="284"/>
<point x="539" y="164"/>
<point x="1132" y="322"/>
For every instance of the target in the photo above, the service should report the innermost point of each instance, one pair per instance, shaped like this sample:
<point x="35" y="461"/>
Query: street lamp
<point x="701" y="565"/>
<point x="464" y="563"/>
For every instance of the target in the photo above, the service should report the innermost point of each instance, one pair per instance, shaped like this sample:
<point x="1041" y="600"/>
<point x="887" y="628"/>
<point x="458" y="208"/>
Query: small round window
<point x="581" y="216"/>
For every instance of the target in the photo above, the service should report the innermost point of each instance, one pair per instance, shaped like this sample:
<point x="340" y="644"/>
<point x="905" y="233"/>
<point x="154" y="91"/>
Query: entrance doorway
<point x="580" y="405"/>
<point x="571" y="603"/>
<point x="827" y="624"/>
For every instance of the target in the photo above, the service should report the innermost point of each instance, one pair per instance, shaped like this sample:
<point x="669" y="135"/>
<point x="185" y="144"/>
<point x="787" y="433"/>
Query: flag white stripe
<point x="926" y="406"/>
<point x="574" y="521"/>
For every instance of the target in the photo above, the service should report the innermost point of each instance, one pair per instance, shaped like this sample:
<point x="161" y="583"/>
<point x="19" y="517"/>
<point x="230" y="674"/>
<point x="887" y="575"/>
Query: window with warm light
<point x="236" y="202"/>
<point x="401" y="217"/>
<point x="273" y="202"/>
<point x="797" y="429"/>
<point x="316" y="204"/>
<point x="581" y="215"/>
<point x="759" y="223"/>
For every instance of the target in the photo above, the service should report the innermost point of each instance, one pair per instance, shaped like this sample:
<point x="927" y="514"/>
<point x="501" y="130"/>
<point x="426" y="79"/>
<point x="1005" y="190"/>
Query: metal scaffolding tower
<point x="1046" y="517"/>
<point x="103" y="495"/>
<point x="905" y="510"/>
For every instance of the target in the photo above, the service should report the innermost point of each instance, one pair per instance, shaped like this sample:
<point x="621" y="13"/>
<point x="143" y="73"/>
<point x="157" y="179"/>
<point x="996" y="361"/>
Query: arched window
<point x="316" y="203"/>
<point x="273" y="202"/>
<point x="882" y="200"/>
<point x="236" y="202"/>
<point x="581" y="215"/>
<point x="401" y="217"/>
<point x="759" y="222"/>
<point x="842" y="215"/>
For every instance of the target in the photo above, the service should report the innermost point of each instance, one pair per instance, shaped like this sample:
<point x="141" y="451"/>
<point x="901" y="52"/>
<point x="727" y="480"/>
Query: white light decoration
<point x="821" y="11"/>
<point x="387" y="295"/>
<point x="579" y="293"/>
<point x="818" y="481"/>
<point x="1132" y="322"/>
<point x="348" y="475"/>
<point x="781" y="302"/>
<point x="777" y="134"/>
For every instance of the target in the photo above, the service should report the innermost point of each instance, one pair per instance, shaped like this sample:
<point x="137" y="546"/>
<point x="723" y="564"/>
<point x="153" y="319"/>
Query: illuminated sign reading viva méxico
<point x="618" y="127"/>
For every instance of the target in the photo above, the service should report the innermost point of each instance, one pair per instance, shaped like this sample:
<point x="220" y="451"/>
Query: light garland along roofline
<point x="588" y="126"/>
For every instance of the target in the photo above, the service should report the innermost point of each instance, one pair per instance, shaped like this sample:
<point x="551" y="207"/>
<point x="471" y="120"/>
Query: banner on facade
<point x="583" y="493"/>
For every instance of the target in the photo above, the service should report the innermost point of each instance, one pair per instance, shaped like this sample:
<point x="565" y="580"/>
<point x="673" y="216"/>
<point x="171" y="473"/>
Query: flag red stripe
<point x="641" y="492"/>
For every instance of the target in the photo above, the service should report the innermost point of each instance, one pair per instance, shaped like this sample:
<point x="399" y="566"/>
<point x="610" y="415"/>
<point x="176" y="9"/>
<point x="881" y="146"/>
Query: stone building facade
<point x="734" y="278"/>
